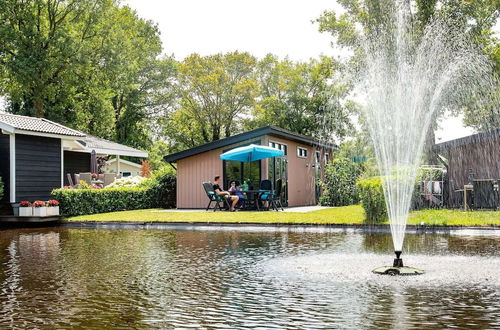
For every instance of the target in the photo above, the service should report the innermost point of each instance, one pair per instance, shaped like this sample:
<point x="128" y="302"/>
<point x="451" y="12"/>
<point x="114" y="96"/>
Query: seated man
<point x="224" y="194"/>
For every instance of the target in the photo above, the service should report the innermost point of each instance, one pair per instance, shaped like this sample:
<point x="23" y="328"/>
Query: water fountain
<point x="409" y="78"/>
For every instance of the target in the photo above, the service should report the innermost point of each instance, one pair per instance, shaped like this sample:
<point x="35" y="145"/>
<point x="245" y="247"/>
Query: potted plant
<point x="52" y="207"/>
<point x="25" y="209"/>
<point x="39" y="209"/>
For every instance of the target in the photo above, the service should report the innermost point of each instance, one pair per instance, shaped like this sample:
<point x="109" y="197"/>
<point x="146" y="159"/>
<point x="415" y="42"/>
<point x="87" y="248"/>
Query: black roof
<point x="471" y="139"/>
<point x="268" y="130"/>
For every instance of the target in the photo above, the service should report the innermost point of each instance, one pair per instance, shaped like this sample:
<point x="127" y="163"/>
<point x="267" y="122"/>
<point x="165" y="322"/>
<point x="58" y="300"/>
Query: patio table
<point x="254" y="193"/>
<point x="470" y="187"/>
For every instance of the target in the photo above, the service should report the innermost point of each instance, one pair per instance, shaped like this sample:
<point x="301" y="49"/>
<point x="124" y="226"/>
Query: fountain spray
<point x="409" y="78"/>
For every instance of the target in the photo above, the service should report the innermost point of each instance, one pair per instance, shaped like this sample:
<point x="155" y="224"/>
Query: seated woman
<point x="236" y="191"/>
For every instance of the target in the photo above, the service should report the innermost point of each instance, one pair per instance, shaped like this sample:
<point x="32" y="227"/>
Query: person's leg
<point x="235" y="201"/>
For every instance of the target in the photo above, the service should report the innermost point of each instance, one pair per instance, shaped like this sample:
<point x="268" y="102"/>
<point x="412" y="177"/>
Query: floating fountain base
<point x="397" y="268"/>
<point x="388" y="270"/>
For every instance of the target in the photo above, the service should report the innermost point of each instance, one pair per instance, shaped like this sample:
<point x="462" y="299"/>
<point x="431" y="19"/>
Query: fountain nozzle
<point x="398" y="262"/>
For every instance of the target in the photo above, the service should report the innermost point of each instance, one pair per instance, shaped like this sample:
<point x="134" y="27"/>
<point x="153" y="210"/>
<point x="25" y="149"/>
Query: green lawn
<point x="338" y="215"/>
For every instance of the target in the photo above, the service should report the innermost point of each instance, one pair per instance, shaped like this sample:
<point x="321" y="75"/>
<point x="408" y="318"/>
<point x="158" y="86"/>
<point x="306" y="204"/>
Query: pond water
<point x="247" y="277"/>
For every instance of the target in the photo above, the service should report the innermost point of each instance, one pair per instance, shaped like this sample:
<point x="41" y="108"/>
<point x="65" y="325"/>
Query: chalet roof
<point x="102" y="146"/>
<point x="268" y="130"/>
<point x="471" y="139"/>
<point x="85" y="143"/>
<point x="14" y="123"/>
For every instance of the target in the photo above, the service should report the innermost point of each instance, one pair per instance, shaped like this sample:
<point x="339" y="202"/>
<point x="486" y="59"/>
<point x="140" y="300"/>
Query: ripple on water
<point x="344" y="267"/>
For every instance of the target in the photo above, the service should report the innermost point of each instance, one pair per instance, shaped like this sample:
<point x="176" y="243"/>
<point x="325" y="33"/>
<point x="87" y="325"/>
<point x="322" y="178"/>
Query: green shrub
<point x="90" y="201"/>
<point x="1" y="188"/>
<point x="372" y="198"/>
<point x="159" y="191"/>
<point x="339" y="185"/>
<point x="162" y="188"/>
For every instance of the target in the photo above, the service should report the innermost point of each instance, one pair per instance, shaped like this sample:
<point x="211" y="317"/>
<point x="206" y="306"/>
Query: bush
<point x="128" y="182"/>
<point x="90" y="201"/>
<point x="159" y="191"/>
<point x="162" y="188"/>
<point x="1" y="188"/>
<point x="339" y="186"/>
<point x="372" y="198"/>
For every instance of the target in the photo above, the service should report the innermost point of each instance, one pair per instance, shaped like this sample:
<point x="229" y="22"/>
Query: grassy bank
<point x="339" y="215"/>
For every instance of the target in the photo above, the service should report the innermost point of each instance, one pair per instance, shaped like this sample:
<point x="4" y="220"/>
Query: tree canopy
<point x="475" y="19"/>
<point x="91" y="65"/>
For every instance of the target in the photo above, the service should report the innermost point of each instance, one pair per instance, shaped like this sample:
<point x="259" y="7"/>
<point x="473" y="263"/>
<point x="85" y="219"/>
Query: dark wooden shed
<point x="476" y="156"/>
<point x="36" y="155"/>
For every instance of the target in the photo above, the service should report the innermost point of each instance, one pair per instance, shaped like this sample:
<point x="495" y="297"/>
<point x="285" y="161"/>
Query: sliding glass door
<point x="248" y="173"/>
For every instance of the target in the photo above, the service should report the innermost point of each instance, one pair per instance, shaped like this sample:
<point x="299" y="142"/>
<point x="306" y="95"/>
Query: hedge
<point x="90" y="201"/>
<point x="159" y="193"/>
<point x="372" y="199"/>
<point x="339" y="185"/>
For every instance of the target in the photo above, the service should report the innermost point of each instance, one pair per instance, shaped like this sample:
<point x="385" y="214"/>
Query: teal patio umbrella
<point x="251" y="153"/>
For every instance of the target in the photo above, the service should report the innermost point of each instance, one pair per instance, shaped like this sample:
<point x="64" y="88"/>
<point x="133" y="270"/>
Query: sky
<point x="281" y="27"/>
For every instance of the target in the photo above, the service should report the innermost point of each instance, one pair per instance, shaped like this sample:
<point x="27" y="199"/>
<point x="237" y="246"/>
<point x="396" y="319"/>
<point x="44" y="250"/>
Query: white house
<point x="124" y="167"/>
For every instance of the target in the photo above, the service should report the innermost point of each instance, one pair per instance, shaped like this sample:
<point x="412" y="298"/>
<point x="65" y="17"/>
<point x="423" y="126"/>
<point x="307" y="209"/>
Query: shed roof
<point x="18" y="123"/>
<point x="471" y="139"/>
<point x="268" y="130"/>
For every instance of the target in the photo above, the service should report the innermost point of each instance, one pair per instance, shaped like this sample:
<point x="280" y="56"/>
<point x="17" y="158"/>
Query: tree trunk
<point x="38" y="104"/>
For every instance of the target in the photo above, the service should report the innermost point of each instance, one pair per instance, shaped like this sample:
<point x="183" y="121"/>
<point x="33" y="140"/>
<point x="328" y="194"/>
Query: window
<point x="242" y="172"/>
<point x="279" y="146"/>
<point x="301" y="152"/>
<point x="327" y="158"/>
<point x="318" y="157"/>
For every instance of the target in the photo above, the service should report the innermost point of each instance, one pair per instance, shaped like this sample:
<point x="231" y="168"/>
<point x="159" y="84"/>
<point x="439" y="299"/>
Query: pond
<point x="245" y="277"/>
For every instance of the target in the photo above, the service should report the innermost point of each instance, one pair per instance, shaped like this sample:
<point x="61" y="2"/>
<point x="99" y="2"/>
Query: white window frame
<point x="327" y="158"/>
<point x="279" y="143"/>
<point x="300" y="152"/>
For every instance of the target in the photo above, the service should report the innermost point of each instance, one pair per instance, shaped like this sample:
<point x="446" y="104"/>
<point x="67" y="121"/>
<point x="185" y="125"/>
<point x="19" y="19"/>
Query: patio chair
<point x="266" y="185"/>
<point x="87" y="177"/>
<point x="456" y="198"/>
<point x="484" y="194"/>
<point x="70" y="180"/>
<point x="271" y="196"/>
<point x="77" y="179"/>
<point x="214" y="198"/>
<point x="109" y="178"/>
<point x="274" y="197"/>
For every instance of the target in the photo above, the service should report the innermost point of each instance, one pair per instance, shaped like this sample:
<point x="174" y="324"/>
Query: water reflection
<point x="225" y="279"/>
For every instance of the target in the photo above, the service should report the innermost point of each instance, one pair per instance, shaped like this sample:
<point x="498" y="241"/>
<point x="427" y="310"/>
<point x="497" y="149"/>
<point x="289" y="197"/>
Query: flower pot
<point x="52" y="210"/>
<point x="15" y="209"/>
<point x="40" y="211"/>
<point x="26" y="211"/>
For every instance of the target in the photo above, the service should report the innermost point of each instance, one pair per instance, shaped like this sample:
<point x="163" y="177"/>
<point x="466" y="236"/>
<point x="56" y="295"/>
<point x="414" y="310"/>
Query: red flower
<point x="25" y="204"/>
<point x="38" y="204"/>
<point x="53" y="202"/>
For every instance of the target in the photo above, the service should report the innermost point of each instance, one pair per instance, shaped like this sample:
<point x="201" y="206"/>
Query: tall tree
<point x="216" y="92"/>
<point x="43" y="43"/>
<point x="304" y="97"/>
<point x="90" y="64"/>
<point x="368" y="18"/>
